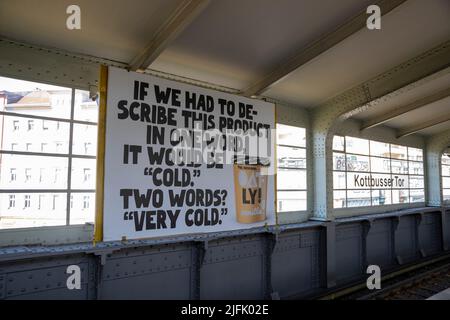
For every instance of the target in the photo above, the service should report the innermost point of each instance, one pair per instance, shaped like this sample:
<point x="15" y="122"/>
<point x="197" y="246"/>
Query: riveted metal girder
<point x="401" y="110"/>
<point x="317" y="47"/>
<point x="435" y="146"/>
<point x="177" y="22"/>
<point x="59" y="67"/>
<point x="51" y="66"/>
<point x="327" y="117"/>
<point x="421" y="126"/>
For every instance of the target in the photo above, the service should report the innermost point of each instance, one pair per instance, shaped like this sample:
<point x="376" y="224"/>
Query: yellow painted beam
<point x="100" y="179"/>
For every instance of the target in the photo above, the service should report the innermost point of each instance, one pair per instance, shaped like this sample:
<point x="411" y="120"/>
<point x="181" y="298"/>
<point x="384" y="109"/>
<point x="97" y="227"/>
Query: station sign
<point x="357" y="180"/>
<point x="180" y="159"/>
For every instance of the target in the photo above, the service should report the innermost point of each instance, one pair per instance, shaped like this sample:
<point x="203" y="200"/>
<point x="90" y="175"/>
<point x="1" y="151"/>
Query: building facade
<point x="39" y="143"/>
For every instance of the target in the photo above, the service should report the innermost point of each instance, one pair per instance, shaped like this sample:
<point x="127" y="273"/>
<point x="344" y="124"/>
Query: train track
<point x="415" y="282"/>
<point x="420" y="286"/>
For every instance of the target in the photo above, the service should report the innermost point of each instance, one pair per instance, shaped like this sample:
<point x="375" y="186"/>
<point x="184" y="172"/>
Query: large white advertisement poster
<point x="180" y="159"/>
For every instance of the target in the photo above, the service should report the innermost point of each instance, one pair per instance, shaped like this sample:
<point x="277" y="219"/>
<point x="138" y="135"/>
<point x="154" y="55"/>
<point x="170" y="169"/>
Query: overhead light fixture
<point x="93" y="92"/>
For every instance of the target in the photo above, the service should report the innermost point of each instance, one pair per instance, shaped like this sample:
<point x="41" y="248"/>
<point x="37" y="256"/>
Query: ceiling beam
<point x="317" y="47"/>
<point x="185" y="13"/>
<point x="405" y="109"/>
<point x="424" y="125"/>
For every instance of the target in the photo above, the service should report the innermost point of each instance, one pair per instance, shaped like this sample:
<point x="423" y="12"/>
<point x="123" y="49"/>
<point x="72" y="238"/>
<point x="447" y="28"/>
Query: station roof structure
<point x="302" y="53"/>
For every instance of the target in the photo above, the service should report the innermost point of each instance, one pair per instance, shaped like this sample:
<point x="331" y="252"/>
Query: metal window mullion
<point x="45" y="154"/>
<point x="69" y="166"/>
<point x="375" y="156"/>
<point x="390" y="173"/>
<point x="346" y="171"/>
<point x="82" y="190"/>
<point x="407" y="163"/>
<point x="32" y="116"/>
<point x="81" y="156"/>
<point x="370" y="172"/>
<point x="46" y="190"/>
<point x="290" y="146"/>
<point x="29" y="153"/>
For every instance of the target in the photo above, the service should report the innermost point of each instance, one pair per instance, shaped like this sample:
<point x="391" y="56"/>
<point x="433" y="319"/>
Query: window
<point x="56" y="174"/>
<point x="41" y="174"/>
<point x="58" y="146"/>
<point x="12" y="201"/>
<point x="47" y="199"/>
<point x="86" y="200"/>
<point x="30" y="125"/>
<point x="445" y="171"/>
<point x="87" y="174"/>
<point x="27" y="174"/>
<point x="82" y="172"/>
<point x="12" y="174"/>
<point x="371" y="173"/>
<point x="27" y="201"/>
<point x="291" y="168"/>
<point x="83" y="144"/>
<point x="41" y="201"/>
<point x="55" y="202"/>
<point x="87" y="147"/>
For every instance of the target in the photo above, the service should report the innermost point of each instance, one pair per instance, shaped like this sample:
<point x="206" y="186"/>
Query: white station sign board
<point x="180" y="159"/>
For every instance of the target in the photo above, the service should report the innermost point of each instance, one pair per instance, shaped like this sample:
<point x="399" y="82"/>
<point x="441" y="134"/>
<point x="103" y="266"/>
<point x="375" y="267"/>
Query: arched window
<point x="446" y="176"/>
<point x="371" y="173"/>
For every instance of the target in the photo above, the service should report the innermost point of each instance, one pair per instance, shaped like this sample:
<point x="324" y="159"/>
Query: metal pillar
<point x="328" y="116"/>
<point x="435" y="146"/>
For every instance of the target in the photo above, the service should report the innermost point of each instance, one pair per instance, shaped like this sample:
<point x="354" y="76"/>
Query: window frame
<point x="28" y="174"/>
<point x="26" y="201"/>
<point x="69" y="155"/>
<point x="12" y="174"/>
<point x="375" y="207"/>
<point x="11" y="201"/>
<point x="305" y="148"/>
<point x="30" y="124"/>
<point x="442" y="166"/>
<point x="16" y="125"/>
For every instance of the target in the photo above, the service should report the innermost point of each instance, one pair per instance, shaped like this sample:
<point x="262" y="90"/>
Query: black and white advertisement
<point x="180" y="159"/>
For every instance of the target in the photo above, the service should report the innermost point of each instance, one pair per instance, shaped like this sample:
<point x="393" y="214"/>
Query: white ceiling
<point x="406" y="31"/>
<point x="233" y="43"/>
<point x="113" y="29"/>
